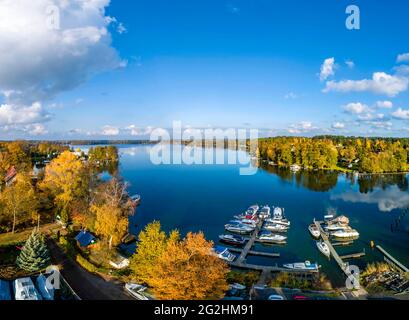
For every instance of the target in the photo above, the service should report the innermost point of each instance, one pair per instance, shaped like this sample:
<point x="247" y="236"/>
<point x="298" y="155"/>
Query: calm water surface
<point x="205" y="197"/>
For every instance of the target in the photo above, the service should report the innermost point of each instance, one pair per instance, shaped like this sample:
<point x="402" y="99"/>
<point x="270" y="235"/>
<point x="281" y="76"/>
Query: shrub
<point x="85" y="264"/>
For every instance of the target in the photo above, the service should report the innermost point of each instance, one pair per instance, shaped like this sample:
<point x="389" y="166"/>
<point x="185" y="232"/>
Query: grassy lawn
<point x="9" y="239"/>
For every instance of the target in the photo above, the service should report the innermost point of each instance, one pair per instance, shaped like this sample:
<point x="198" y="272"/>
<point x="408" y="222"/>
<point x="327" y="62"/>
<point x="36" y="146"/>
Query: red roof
<point x="11" y="173"/>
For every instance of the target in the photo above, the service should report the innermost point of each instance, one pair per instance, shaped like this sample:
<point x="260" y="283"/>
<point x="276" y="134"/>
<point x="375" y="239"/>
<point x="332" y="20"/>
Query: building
<point x="10" y="176"/>
<point x="85" y="239"/>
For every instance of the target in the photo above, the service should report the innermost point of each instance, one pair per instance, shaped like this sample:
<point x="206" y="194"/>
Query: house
<point x="85" y="239"/>
<point x="10" y="176"/>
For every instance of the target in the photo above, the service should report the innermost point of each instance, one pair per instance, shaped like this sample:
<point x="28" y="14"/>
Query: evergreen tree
<point x="34" y="256"/>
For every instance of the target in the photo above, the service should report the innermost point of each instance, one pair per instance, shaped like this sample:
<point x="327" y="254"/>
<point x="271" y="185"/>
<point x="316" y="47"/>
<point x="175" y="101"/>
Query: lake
<point x="205" y="197"/>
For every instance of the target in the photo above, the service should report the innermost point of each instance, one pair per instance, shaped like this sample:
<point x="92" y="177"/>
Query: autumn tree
<point x="178" y="269"/>
<point x="18" y="201"/>
<point x="188" y="270"/>
<point x="110" y="223"/>
<point x="152" y="243"/>
<point x="65" y="179"/>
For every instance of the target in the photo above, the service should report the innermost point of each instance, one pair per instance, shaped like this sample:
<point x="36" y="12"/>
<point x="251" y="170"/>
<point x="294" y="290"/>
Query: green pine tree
<point x="34" y="256"/>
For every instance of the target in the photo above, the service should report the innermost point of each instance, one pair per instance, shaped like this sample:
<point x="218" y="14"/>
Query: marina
<point x="301" y="199"/>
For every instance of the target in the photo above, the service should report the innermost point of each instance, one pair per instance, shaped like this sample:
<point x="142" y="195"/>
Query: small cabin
<point x="85" y="239"/>
<point x="10" y="176"/>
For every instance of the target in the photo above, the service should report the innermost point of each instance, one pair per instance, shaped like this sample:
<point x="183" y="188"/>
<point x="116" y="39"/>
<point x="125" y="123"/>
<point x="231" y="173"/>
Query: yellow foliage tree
<point x="110" y="223"/>
<point x="18" y="201"/>
<point x="188" y="270"/>
<point x="151" y="245"/>
<point x="65" y="179"/>
<point x="178" y="269"/>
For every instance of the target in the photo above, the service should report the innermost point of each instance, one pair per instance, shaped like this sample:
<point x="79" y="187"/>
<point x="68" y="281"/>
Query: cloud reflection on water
<point x="387" y="199"/>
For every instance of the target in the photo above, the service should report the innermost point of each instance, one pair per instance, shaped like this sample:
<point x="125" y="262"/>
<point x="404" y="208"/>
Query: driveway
<point x="86" y="285"/>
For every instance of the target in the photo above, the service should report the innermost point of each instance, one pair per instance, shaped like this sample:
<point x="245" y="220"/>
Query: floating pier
<point x="256" y="253"/>
<point x="388" y="258"/>
<point x="240" y="262"/>
<point x="337" y="258"/>
<point x="353" y="255"/>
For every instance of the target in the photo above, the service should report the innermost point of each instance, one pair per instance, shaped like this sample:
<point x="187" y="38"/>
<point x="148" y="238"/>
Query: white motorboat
<point x="346" y="234"/>
<point x="253" y="209"/>
<point x="47" y="291"/>
<point x="336" y="227"/>
<point x="265" y="212"/>
<point x="323" y="247"/>
<point x="232" y="239"/>
<point x="284" y="222"/>
<point x="295" y="168"/>
<point x="307" y="265"/>
<point x="314" y="230"/>
<point x="270" y="237"/>
<point x="138" y="291"/>
<point x="276" y="227"/>
<point x="24" y="290"/>
<point x="224" y="254"/>
<point x="238" y="228"/>
<point x="278" y="213"/>
<point x="328" y="217"/>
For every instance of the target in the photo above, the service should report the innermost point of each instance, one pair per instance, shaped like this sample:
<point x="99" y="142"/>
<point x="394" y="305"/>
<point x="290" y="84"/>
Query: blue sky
<point x="253" y="64"/>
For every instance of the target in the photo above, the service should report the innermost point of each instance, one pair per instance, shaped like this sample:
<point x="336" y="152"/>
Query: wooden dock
<point x="392" y="260"/>
<point x="334" y="254"/>
<point x="256" y="253"/>
<point x="266" y="271"/>
<point x="353" y="255"/>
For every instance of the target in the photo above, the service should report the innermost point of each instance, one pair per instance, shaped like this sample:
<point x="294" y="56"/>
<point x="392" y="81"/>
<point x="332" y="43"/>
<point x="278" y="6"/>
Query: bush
<point x="85" y="264"/>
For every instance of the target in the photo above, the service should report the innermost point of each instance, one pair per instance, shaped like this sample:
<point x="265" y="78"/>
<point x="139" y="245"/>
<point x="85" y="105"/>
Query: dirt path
<point x="86" y="285"/>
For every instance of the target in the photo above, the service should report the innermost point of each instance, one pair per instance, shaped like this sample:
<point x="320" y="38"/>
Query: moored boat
<point x="270" y="237"/>
<point x="284" y="222"/>
<point x="224" y="253"/>
<point x="232" y="239"/>
<point x="276" y="227"/>
<point x="323" y="247"/>
<point x="138" y="291"/>
<point x="265" y="212"/>
<point x="315" y="232"/>
<point x="336" y="227"/>
<point x="345" y="234"/>
<point x="307" y="266"/>
<point x="278" y="213"/>
<point x="238" y="228"/>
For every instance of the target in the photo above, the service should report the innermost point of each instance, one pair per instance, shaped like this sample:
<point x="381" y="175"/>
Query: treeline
<point x="23" y="154"/>
<point x="370" y="155"/>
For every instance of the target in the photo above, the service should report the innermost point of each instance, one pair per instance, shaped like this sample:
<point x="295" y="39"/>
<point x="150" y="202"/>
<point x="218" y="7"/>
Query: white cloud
<point x="350" y="64"/>
<point x="22" y="115"/>
<point x="327" y="69"/>
<point x="109" y="131"/>
<point x="381" y="83"/>
<point x="38" y="62"/>
<point x="37" y="129"/>
<point x="401" y="114"/>
<point x="302" y="127"/>
<point x="404" y="57"/>
<point x="384" y="104"/>
<point x="356" y="108"/>
<point x="402" y="70"/>
<point x="338" y="125"/>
